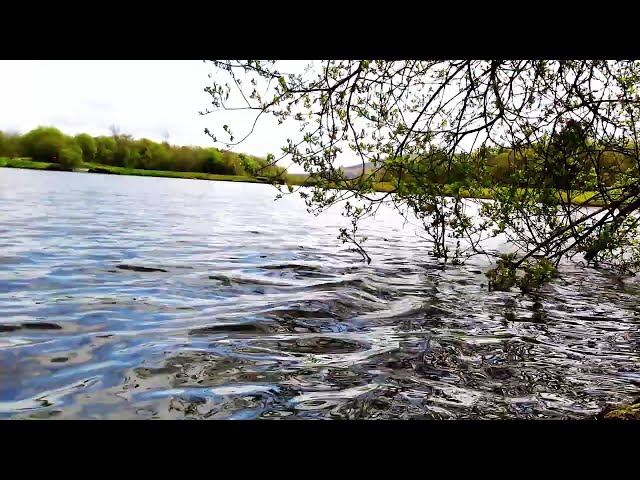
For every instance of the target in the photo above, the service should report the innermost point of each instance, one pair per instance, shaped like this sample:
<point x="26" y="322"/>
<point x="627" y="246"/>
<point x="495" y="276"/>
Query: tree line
<point x="567" y="160"/>
<point x="48" y="144"/>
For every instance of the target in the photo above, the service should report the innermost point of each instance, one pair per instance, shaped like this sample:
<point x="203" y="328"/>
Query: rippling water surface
<point x="133" y="297"/>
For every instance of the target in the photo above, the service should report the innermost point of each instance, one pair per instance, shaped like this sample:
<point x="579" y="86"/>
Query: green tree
<point x="105" y="150"/>
<point x="123" y="147"/>
<point x="249" y="165"/>
<point x="9" y="145"/>
<point x="132" y="158"/>
<point x="232" y="164"/>
<point x="428" y="121"/>
<point x="157" y="156"/>
<point x="70" y="156"/>
<point x="88" y="146"/>
<point x="43" y="144"/>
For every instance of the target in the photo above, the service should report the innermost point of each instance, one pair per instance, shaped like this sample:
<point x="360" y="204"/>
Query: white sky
<point x="143" y="98"/>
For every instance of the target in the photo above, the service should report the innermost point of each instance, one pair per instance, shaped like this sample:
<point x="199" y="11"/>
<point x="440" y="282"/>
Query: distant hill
<point x="356" y="170"/>
<point x="352" y="171"/>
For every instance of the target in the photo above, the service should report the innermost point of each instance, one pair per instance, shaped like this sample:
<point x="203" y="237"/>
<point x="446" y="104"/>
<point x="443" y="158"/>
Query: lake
<point x="135" y="297"/>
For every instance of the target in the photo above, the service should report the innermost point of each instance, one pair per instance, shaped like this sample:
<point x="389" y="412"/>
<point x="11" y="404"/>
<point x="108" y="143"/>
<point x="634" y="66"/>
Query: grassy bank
<point x="170" y="174"/>
<point x="99" y="168"/>
<point x="302" y="179"/>
<point x="584" y="198"/>
<point x="24" y="163"/>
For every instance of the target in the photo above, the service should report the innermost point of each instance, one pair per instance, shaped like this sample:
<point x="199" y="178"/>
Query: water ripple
<point x="130" y="297"/>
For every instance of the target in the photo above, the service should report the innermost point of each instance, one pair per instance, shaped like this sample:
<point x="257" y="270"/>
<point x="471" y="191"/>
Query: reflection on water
<point x="131" y="297"/>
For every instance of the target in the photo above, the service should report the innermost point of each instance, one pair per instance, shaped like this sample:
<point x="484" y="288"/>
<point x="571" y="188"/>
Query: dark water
<point x="125" y="297"/>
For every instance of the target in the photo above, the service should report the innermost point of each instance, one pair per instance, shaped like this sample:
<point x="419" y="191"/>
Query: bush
<point x="70" y="156"/>
<point x="43" y="144"/>
<point x="105" y="150"/>
<point x="88" y="146"/>
<point x="212" y="162"/>
<point x="9" y="145"/>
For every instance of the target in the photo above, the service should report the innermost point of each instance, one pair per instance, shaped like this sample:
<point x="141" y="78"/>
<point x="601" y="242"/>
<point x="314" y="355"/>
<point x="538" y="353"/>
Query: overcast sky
<point x="143" y="98"/>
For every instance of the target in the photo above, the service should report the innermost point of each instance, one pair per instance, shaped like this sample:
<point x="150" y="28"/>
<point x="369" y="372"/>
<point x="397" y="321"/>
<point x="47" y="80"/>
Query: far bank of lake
<point x="584" y="198"/>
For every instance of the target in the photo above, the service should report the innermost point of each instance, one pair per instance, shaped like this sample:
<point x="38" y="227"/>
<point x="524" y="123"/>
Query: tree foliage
<point x="42" y="144"/>
<point x="9" y="144"/>
<point x="70" y="156"/>
<point x="88" y="146"/>
<point x="49" y="144"/>
<point x="541" y="137"/>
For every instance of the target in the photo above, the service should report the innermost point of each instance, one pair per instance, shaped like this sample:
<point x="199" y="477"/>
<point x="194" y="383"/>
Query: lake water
<point x="134" y="297"/>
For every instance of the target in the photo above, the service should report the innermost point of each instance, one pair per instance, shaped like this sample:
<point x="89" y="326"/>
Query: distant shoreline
<point x="111" y="170"/>
<point x="292" y="179"/>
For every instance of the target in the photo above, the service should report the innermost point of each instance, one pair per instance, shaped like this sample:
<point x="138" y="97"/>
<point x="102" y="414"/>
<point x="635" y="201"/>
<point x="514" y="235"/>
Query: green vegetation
<point x="622" y="412"/>
<point x="49" y="148"/>
<point x="25" y="163"/>
<point x="100" y="168"/>
<point x="535" y="273"/>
